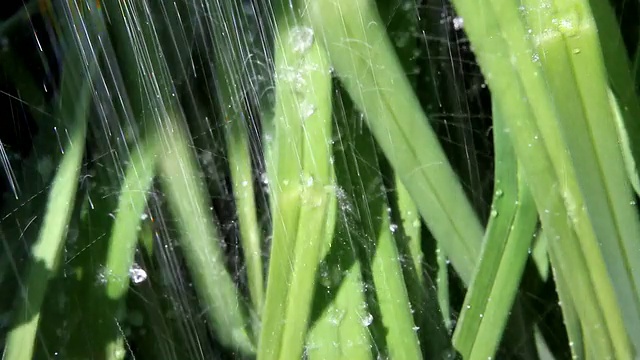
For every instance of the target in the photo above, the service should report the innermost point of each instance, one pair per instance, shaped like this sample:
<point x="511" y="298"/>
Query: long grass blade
<point x="365" y="62"/>
<point x="589" y="132"/>
<point x="232" y="82"/>
<point x="200" y="240"/>
<point x="124" y="235"/>
<point x="46" y="252"/>
<point x="504" y="254"/>
<point x="512" y="76"/>
<point x="303" y="184"/>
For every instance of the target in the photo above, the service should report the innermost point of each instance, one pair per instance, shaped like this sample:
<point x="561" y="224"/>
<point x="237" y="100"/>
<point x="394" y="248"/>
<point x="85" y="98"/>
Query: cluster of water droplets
<point x="136" y="274"/>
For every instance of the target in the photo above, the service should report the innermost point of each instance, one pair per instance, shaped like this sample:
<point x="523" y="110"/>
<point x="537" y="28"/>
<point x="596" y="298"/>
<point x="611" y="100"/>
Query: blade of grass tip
<point x="46" y="252"/>
<point x="365" y="62"/>
<point x="390" y="317"/>
<point x="187" y="197"/>
<point x="181" y="177"/>
<point x="540" y="255"/>
<point x="589" y="132"/>
<point x="231" y="81"/>
<point x="514" y="78"/>
<point x="505" y="250"/>
<point x="570" y="315"/>
<point x="541" y="346"/>
<point x="124" y="236"/>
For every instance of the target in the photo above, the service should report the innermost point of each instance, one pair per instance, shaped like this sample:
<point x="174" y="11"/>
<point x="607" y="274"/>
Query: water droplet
<point x="245" y="183"/>
<point x="458" y="23"/>
<point x="576" y="51"/>
<point x="309" y="182"/>
<point x="307" y="109"/>
<point x="119" y="353"/>
<point x="416" y="223"/>
<point x="494" y="213"/>
<point x="137" y="274"/>
<point x="393" y="228"/>
<point x="449" y="354"/>
<point x="499" y="193"/>
<point x="569" y="25"/>
<point x="301" y="38"/>
<point x="336" y="316"/>
<point x="144" y="216"/>
<point x="535" y="57"/>
<point x="367" y="319"/>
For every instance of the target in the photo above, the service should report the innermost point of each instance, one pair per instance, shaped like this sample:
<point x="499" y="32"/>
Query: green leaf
<point x="365" y="62"/>
<point x="504" y="254"/>
<point x="200" y="241"/>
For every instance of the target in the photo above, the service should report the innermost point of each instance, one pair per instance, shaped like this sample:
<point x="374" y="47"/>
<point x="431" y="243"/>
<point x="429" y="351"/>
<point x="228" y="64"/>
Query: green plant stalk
<point x="315" y="202"/>
<point x="515" y="79"/>
<point x="200" y="241"/>
<point x="505" y="250"/>
<point x="365" y="62"/>
<point x="124" y="235"/>
<point x="301" y="292"/>
<point x="392" y="295"/>
<point x="586" y="121"/>
<point x="295" y="102"/>
<point x="45" y="254"/>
